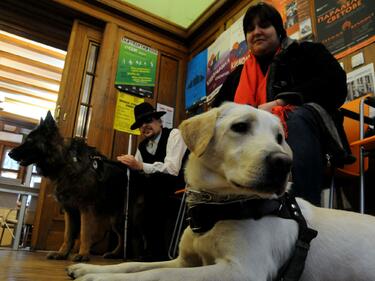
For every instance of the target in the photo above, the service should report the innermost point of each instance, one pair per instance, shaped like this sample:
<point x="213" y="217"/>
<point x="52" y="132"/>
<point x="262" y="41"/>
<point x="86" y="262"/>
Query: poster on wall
<point x="218" y="64"/>
<point x="124" y="114"/>
<point x="195" y="88"/>
<point x="136" y="68"/>
<point x="291" y="17"/>
<point x="238" y="46"/>
<point x="296" y="17"/>
<point x="304" y="19"/>
<point x="360" y="81"/>
<point x="343" y="24"/>
<point x="167" y="118"/>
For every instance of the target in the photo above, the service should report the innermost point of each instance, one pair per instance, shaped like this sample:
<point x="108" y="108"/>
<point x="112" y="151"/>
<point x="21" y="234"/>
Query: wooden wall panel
<point x="368" y="54"/>
<point x="167" y="83"/>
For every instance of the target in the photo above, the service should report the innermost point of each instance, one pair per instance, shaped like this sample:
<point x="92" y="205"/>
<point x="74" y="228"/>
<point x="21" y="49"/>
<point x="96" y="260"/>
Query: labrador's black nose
<point x="278" y="164"/>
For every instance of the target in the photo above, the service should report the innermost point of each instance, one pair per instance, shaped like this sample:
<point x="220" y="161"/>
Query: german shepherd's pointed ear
<point x="48" y="121"/>
<point x="198" y="131"/>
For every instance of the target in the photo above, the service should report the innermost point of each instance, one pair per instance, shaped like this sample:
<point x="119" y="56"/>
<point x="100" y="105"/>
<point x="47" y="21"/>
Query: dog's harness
<point x="204" y="215"/>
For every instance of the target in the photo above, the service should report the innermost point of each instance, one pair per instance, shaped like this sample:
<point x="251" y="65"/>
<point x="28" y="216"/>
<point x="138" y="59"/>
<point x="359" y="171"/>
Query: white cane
<point x="127" y="198"/>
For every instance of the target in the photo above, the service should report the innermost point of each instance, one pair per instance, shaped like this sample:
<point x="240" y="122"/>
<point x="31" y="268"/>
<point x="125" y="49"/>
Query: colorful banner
<point x="195" y="88"/>
<point x="124" y="115"/>
<point x="238" y="46"/>
<point x="218" y="64"/>
<point x="136" y="68"/>
<point x="343" y="24"/>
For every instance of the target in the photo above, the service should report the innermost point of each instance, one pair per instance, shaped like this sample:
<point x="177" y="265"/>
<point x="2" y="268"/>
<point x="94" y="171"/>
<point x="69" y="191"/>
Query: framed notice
<point x="136" y="68"/>
<point x="167" y="118"/>
<point x="345" y="26"/>
<point x="360" y="81"/>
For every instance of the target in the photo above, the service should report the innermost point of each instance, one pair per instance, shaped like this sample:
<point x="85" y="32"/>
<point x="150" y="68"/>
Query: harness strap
<point x="293" y="268"/>
<point x="203" y="216"/>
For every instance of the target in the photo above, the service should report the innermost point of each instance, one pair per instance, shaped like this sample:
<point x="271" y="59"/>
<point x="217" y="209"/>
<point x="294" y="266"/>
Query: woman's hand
<point x="130" y="161"/>
<point x="269" y="105"/>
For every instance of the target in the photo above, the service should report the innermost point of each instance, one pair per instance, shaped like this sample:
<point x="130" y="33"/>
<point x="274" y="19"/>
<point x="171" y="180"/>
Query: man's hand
<point x="130" y="161"/>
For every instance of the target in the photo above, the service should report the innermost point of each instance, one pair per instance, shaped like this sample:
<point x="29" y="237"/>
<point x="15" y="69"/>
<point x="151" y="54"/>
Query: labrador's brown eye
<point x="241" y="127"/>
<point x="279" y="138"/>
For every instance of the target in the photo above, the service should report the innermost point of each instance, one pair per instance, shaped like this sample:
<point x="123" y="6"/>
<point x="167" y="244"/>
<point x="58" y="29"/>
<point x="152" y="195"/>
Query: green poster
<point x="136" y="68"/>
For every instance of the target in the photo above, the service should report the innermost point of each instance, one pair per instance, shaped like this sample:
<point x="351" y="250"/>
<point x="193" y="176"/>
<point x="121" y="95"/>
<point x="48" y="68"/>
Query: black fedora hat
<point x="143" y="111"/>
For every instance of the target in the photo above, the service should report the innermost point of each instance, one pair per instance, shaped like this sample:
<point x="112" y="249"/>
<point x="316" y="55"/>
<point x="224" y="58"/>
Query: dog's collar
<point x="199" y="196"/>
<point x="203" y="216"/>
<point x="205" y="209"/>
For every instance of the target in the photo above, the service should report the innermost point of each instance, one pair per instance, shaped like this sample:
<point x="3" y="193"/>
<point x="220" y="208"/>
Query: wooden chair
<point x="8" y="219"/>
<point x="8" y="222"/>
<point x="356" y="122"/>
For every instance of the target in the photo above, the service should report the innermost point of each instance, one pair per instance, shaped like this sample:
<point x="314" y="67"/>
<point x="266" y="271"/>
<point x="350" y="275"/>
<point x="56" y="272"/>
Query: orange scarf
<point x="252" y="90"/>
<point x="252" y="86"/>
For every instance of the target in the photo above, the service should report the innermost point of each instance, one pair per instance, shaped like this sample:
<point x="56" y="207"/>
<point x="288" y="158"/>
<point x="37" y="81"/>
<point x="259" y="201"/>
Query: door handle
<point x="57" y="112"/>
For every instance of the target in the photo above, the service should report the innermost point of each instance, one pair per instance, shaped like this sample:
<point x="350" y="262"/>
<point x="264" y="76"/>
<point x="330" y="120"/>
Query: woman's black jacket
<point x="304" y="73"/>
<point x="301" y="73"/>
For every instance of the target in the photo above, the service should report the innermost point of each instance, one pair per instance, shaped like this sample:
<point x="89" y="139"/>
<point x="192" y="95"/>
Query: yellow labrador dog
<point x="239" y="153"/>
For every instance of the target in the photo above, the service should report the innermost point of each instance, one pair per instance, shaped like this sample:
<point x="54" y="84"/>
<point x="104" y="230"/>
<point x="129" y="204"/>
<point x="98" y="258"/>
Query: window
<point x="9" y="167"/>
<point x="84" y="111"/>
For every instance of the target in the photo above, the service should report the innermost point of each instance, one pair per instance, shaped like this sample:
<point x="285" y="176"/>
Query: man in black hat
<point x="156" y="175"/>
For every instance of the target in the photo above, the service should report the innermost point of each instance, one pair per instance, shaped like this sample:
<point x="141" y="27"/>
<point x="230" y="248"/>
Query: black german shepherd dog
<point x="89" y="187"/>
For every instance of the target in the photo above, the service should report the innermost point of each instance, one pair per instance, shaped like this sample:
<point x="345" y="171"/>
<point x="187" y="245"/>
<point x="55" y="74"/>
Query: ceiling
<point x="180" y="12"/>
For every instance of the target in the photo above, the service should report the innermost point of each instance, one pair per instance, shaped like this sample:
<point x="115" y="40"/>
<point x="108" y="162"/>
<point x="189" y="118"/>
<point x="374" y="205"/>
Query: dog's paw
<point x="56" y="256"/>
<point x="80" y="258"/>
<point x="77" y="270"/>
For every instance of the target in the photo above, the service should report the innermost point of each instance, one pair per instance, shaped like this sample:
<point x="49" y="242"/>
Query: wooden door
<point x="73" y="112"/>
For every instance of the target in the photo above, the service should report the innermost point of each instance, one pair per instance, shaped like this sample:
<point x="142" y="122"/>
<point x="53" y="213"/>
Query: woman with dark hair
<point x="300" y="82"/>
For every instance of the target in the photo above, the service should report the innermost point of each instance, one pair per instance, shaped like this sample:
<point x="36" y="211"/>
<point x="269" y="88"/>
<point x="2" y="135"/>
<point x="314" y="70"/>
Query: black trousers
<point x="152" y="213"/>
<point x="306" y="141"/>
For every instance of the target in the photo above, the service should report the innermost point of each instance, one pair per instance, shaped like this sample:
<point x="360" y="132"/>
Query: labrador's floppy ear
<point x="199" y="130"/>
